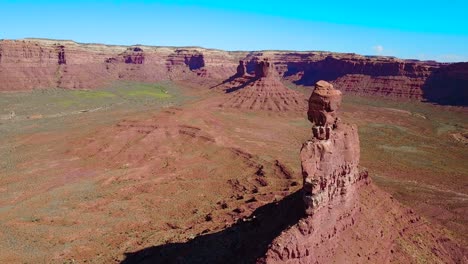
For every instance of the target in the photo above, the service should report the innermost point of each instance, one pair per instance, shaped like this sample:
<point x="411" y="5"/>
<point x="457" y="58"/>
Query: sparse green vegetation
<point x="49" y="108"/>
<point x="64" y="148"/>
<point x="90" y="94"/>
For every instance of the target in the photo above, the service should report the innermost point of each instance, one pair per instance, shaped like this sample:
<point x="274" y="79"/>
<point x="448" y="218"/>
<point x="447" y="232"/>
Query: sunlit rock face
<point x="330" y="159"/>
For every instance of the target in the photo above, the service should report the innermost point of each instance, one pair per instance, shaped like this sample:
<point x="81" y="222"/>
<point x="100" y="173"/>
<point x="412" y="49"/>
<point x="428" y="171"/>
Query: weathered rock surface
<point x="323" y="104"/>
<point x="330" y="159"/>
<point x="383" y="76"/>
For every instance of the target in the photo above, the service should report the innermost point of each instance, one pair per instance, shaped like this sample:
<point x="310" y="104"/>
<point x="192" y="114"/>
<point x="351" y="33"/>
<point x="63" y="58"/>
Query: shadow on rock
<point x="247" y="80"/>
<point x="233" y="89"/>
<point x="448" y="85"/>
<point x="243" y="242"/>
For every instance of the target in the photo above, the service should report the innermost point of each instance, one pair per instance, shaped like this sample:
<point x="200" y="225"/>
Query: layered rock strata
<point x="34" y="63"/>
<point x="330" y="159"/>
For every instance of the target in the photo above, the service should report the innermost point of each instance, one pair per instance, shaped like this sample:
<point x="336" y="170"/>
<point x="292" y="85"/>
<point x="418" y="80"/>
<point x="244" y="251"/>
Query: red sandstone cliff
<point x="33" y="63"/>
<point x="30" y="64"/>
<point x="381" y="76"/>
<point x="448" y="85"/>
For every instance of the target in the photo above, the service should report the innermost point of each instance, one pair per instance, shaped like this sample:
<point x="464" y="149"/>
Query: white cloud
<point x="378" y="49"/>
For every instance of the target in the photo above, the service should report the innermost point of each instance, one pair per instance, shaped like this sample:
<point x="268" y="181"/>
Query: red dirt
<point x="199" y="183"/>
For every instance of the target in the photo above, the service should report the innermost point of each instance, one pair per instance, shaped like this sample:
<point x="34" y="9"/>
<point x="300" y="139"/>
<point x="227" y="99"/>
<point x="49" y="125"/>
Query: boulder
<point x="323" y="104"/>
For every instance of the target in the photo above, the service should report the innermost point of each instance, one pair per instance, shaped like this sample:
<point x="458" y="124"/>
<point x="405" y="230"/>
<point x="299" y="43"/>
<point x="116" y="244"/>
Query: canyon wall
<point x="30" y="64"/>
<point x="37" y="63"/>
<point x="380" y="76"/>
<point x="448" y="85"/>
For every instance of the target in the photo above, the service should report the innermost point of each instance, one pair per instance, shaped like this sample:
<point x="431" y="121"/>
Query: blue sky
<point x="436" y="30"/>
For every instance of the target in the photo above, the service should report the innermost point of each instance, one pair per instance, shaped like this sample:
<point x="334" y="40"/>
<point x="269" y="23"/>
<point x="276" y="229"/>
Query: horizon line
<point x="225" y="50"/>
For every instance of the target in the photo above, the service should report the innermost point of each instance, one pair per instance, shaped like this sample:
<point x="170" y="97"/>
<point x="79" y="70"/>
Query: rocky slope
<point x="348" y="220"/>
<point x="264" y="91"/>
<point x="37" y="63"/>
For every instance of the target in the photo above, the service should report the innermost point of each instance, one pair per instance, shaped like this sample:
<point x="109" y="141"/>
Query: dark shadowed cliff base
<point x="243" y="242"/>
<point x="448" y="85"/>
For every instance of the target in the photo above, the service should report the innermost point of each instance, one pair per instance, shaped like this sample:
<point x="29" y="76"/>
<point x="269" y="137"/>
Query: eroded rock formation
<point x="263" y="91"/>
<point x="330" y="159"/>
<point x="134" y="56"/>
<point x="241" y="70"/>
<point x="331" y="180"/>
<point x="348" y="219"/>
<point x="262" y="69"/>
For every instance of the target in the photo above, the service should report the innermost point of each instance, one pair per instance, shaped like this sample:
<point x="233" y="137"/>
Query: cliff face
<point x="28" y="64"/>
<point x="448" y="85"/>
<point x="381" y="76"/>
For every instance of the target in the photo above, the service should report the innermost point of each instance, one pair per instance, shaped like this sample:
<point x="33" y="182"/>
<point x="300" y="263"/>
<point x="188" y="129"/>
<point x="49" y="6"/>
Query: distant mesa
<point x="31" y="63"/>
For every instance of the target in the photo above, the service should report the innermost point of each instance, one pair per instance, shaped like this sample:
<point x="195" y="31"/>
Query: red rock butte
<point x="263" y="91"/>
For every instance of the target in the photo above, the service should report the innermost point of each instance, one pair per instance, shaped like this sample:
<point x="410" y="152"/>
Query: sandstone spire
<point x="262" y="69"/>
<point x="330" y="159"/>
<point x="241" y="69"/>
